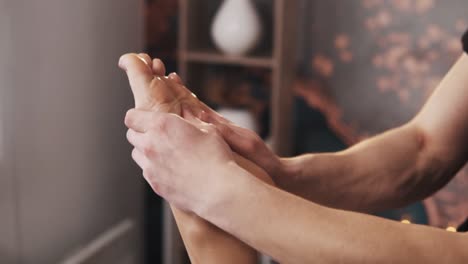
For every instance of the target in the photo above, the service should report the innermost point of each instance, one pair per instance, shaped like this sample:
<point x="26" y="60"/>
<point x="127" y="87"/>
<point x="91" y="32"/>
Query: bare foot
<point x="155" y="92"/>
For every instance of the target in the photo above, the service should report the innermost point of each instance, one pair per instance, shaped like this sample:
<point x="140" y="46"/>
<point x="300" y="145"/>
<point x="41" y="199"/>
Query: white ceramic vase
<point x="241" y="117"/>
<point x="236" y="28"/>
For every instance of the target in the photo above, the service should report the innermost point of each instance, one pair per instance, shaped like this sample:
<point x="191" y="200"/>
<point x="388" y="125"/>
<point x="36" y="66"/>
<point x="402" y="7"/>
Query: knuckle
<point x="128" y="118"/>
<point x="252" y="144"/>
<point x="129" y="135"/>
<point x="134" y="153"/>
<point x="149" y="151"/>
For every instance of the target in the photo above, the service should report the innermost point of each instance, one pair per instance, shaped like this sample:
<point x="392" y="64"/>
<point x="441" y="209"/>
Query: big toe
<point x="139" y="75"/>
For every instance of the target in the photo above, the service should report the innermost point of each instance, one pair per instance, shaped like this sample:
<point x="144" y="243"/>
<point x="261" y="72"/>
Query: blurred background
<point x="307" y="75"/>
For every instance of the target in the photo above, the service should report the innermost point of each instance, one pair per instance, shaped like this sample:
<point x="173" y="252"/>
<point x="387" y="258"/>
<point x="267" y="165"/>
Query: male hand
<point x="186" y="163"/>
<point x="162" y="98"/>
<point x="249" y="145"/>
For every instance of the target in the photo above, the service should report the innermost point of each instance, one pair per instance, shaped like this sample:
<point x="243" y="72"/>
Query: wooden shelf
<point x="213" y="57"/>
<point x="196" y="51"/>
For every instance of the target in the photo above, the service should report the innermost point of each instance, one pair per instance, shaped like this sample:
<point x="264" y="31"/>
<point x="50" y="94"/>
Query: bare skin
<point x="396" y="168"/>
<point x="389" y="170"/>
<point x="204" y="242"/>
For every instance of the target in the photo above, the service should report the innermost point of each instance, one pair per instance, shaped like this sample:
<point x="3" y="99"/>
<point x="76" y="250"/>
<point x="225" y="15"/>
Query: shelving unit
<point x="276" y="54"/>
<point x="212" y="57"/>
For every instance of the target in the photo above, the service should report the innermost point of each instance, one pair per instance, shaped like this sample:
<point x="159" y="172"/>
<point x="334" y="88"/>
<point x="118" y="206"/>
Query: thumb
<point x="232" y="134"/>
<point x="139" y="75"/>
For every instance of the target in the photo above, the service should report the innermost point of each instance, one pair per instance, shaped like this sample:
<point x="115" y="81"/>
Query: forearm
<point x="293" y="230"/>
<point x="382" y="172"/>
<point x="398" y="167"/>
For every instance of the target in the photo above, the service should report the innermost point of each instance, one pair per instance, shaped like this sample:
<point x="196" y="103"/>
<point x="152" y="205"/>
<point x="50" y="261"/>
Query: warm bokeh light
<point x="451" y="229"/>
<point x="406" y="221"/>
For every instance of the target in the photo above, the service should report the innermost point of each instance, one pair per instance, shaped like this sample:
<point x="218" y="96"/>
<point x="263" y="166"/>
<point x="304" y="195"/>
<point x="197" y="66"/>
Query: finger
<point x="206" y="117"/>
<point x="143" y="121"/>
<point x="212" y="117"/>
<point x="159" y="69"/>
<point x="192" y="117"/>
<point x="180" y="126"/>
<point x="235" y="136"/>
<point x="138" y="140"/>
<point x="138" y="120"/>
<point x="176" y="78"/>
<point x="140" y="159"/>
<point x="191" y="110"/>
<point x="138" y="73"/>
<point x="188" y="113"/>
<point x="145" y="57"/>
<point x="144" y="163"/>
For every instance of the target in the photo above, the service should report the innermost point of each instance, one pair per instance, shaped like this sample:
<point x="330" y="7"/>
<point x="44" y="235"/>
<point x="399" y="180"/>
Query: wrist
<point x="223" y="190"/>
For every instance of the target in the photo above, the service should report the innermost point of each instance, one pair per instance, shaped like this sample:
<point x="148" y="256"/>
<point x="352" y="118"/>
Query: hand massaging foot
<point x="153" y="91"/>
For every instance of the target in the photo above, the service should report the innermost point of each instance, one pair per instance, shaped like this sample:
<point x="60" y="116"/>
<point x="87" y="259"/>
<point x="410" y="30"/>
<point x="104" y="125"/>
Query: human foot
<point x="154" y="92"/>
